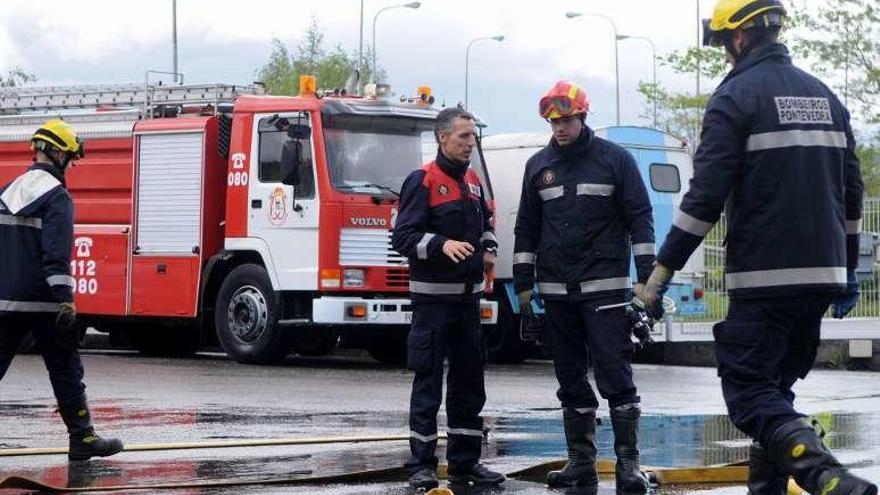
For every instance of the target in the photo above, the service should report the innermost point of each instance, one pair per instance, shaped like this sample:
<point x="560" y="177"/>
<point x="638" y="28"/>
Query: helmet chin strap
<point x="59" y="165"/>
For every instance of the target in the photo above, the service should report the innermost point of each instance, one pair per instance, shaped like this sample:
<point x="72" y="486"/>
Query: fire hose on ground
<point x="732" y="473"/>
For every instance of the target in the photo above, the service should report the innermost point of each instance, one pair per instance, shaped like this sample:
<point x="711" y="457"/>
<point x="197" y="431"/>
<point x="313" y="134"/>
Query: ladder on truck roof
<point x="147" y="97"/>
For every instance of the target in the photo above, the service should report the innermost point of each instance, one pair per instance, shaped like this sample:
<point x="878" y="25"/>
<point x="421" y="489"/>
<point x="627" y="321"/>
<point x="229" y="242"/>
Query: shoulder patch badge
<point x="442" y="189"/>
<point x="548" y="177"/>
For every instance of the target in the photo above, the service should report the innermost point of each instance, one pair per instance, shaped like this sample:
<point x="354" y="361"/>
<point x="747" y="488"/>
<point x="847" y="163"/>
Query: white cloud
<point x="221" y="40"/>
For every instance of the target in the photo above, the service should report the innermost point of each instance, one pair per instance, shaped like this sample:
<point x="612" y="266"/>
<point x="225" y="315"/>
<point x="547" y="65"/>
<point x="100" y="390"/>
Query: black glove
<point x="641" y="325"/>
<point x="66" y="316"/>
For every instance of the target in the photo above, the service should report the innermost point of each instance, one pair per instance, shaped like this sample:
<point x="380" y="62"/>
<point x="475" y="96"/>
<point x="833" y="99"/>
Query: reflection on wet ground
<point x="517" y="440"/>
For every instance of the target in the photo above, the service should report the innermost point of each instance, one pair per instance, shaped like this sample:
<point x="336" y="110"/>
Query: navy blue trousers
<point x="763" y="347"/>
<point x="60" y="354"/>
<point x="578" y="337"/>
<point x="446" y="331"/>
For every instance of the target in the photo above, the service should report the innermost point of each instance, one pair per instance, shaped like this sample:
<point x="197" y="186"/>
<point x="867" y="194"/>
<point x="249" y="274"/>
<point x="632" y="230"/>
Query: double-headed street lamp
<point x="621" y="37"/>
<point x="411" y="5"/>
<point x="467" y="57"/>
<point x="572" y="15"/>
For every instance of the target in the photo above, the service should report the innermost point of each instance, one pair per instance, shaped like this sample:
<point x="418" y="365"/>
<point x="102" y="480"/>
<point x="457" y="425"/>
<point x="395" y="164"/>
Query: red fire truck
<point x="216" y="210"/>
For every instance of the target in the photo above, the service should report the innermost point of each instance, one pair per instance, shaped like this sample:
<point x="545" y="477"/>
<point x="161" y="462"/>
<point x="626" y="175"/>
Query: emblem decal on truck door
<point x="278" y="206"/>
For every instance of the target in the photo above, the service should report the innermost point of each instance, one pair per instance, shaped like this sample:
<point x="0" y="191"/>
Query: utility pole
<point x="174" y="35"/>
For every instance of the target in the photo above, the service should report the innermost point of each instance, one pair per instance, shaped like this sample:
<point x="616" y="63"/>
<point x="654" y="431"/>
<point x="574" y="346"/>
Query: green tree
<point x="681" y="112"/>
<point x="282" y="71"/>
<point x="869" y="156"/>
<point x="842" y="39"/>
<point x="16" y="77"/>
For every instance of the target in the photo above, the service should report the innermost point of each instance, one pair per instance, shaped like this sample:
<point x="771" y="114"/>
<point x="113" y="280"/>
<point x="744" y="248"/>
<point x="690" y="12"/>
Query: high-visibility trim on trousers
<point x="465" y="431"/>
<point x="423" y="438"/>
<point x="786" y="276"/>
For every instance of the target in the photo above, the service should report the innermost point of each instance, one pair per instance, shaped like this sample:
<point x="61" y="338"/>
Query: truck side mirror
<point x="665" y="178"/>
<point x="291" y="160"/>
<point x="299" y="131"/>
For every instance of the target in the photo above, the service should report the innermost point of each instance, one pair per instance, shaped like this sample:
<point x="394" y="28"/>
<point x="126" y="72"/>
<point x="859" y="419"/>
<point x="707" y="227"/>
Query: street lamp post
<point x="360" y="60"/>
<point x="467" y="57"/>
<point x="411" y="5"/>
<point x="572" y="15"/>
<point x="174" y="38"/>
<point x="653" y="58"/>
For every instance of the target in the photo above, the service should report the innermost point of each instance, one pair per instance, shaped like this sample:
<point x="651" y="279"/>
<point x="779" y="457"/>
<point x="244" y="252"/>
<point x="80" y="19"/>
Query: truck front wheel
<point x="246" y="317"/>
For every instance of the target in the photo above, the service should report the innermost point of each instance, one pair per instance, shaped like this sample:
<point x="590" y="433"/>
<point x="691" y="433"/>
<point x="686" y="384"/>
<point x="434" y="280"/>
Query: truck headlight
<point x="353" y="278"/>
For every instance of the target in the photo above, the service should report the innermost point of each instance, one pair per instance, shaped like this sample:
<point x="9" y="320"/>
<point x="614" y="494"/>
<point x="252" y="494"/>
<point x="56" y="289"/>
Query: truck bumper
<point x="360" y="311"/>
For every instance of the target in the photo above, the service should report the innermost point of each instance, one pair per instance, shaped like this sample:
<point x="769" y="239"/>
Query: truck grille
<point x="367" y="247"/>
<point x="397" y="278"/>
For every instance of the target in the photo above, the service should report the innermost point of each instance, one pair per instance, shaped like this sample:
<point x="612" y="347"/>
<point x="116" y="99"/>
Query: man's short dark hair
<point x="446" y="117"/>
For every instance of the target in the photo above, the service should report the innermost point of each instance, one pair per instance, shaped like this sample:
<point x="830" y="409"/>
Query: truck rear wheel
<point x="389" y="347"/>
<point x="503" y="342"/>
<point x="246" y="317"/>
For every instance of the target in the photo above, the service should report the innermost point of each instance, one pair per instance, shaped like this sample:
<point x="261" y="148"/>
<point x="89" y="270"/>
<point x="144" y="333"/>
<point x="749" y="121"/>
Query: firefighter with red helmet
<point x="777" y="154"/>
<point x="584" y="211"/>
<point x="36" y="289"/>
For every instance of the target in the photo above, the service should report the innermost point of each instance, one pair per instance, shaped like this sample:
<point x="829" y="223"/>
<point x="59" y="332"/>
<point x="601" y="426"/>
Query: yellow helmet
<point x="741" y="14"/>
<point x="57" y="134"/>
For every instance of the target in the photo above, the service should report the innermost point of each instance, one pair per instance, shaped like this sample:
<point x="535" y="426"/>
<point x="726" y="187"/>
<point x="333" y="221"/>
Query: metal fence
<point x="713" y="284"/>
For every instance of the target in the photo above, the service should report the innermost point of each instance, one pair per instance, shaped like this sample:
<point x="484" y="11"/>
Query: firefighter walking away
<point x="777" y="154"/>
<point x="36" y="290"/>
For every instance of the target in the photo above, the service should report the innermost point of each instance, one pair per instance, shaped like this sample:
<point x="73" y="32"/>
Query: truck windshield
<point x="373" y="155"/>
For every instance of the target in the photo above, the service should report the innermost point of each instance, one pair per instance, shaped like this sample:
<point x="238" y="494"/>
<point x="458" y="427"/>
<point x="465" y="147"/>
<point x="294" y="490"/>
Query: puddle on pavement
<point x="516" y="441"/>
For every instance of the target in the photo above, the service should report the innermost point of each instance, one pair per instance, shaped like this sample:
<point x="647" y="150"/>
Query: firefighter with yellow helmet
<point x="777" y="154"/>
<point x="36" y="289"/>
<point x="583" y="213"/>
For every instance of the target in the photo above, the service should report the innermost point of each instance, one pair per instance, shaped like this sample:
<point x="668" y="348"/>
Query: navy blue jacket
<point x="36" y="237"/>
<point x="583" y="212"/>
<point x="439" y="202"/>
<point x="777" y="154"/>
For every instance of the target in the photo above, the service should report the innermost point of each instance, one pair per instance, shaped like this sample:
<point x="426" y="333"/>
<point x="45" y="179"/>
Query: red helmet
<point x="563" y="99"/>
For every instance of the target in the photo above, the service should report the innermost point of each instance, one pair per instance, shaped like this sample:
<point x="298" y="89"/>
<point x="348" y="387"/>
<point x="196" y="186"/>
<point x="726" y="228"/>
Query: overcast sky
<point x="98" y="41"/>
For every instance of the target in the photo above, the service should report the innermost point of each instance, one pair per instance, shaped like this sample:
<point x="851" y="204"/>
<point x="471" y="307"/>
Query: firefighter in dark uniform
<point x="445" y="229"/>
<point x="36" y="289"/>
<point x="583" y="212"/>
<point x="778" y="154"/>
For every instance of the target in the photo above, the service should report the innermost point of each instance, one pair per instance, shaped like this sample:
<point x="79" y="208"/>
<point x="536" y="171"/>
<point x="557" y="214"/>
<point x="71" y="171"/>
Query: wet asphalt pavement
<point x="153" y="400"/>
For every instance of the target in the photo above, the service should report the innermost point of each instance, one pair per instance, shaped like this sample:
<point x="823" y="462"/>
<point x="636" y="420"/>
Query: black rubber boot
<point x="625" y="422"/>
<point x="580" y="436"/>
<point x="477" y="474"/>
<point x="799" y="451"/>
<point x="84" y="443"/>
<point x="764" y="477"/>
<point x="424" y="479"/>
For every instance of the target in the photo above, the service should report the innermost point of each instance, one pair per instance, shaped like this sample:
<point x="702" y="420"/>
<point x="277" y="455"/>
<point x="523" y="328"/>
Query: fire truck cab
<point x="216" y="210"/>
